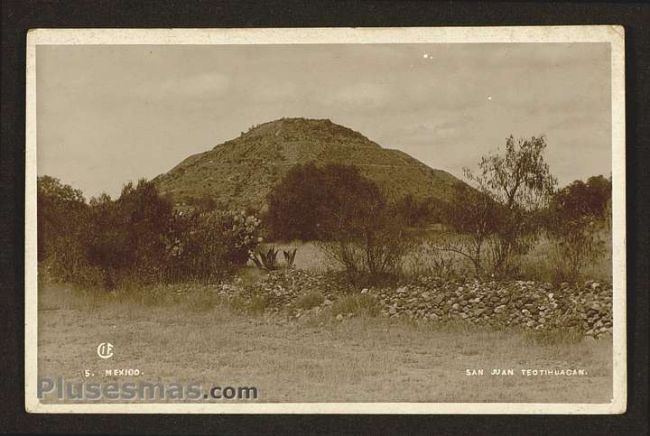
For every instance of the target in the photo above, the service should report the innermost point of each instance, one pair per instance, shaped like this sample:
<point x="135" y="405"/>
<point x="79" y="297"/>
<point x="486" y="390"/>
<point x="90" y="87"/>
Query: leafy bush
<point x="591" y="198"/>
<point x="125" y="237"/>
<point x="575" y="216"/>
<point x="61" y="215"/>
<point x="137" y="238"/>
<point x="311" y="201"/>
<point x="241" y="234"/>
<point x="205" y="245"/>
<point x="295" y="204"/>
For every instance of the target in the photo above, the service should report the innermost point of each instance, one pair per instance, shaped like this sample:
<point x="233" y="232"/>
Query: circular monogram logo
<point x="105" y="350"/>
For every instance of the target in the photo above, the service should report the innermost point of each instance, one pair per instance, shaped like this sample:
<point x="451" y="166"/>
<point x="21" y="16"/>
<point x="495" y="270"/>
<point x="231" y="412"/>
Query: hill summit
<point x="242" y="171"/>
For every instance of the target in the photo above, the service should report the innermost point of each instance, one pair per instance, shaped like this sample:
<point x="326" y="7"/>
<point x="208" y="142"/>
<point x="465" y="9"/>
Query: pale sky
<point x="110" y="114"/>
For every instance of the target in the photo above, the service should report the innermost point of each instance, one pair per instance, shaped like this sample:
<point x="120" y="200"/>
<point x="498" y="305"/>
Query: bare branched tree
<point x="520" y="183"/>
<point x="473" y="215"/>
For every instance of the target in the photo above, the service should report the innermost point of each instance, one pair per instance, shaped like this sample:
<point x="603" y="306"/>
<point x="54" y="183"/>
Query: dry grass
<point x="538" y="263"/>
<point x="195" y="338"/>
<point x="535" y="265"/>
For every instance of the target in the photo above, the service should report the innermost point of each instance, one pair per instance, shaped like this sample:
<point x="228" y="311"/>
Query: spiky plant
<point x="290" y="256"/>
<point x="266" y="260"/>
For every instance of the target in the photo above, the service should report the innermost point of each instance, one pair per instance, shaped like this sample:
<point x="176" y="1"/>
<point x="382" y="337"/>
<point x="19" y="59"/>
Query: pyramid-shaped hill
<point x="241" y="172"/>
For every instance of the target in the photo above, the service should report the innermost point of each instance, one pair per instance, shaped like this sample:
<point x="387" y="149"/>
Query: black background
<point x="19" y="16"/>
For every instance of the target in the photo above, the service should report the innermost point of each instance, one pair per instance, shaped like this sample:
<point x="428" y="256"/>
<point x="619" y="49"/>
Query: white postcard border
<point x="524" y="34"/>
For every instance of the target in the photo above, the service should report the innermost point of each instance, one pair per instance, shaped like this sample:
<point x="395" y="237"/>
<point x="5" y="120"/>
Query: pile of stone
<point x="283" y="287"/>
<point x="524" y="304"/>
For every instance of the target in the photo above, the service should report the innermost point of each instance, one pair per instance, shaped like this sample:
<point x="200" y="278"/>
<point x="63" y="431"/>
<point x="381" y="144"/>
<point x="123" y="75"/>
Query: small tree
<point x="62" y="213"/>
<point x="294" y="204"/>
<point x="126" y="237"/>
<point x="519" y="181"/>
<point x="345" y="211"/>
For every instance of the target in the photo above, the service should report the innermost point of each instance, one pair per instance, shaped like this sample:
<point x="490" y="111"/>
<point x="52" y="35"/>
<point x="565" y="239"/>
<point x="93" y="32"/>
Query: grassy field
<point x="192" y="338"/>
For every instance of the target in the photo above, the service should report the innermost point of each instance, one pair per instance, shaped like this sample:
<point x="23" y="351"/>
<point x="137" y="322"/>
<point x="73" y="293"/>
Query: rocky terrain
<point x="241" y="172"/>
<point x="524" y="304"/>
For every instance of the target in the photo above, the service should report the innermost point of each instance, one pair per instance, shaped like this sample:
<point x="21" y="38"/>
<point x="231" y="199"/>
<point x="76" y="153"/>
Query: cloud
<point x="360" y="95"/>
<point x="425" y="134"/>
<point x="272" y="92"/>
<point x="203" y="85"/>
<point x="177" y="100"/>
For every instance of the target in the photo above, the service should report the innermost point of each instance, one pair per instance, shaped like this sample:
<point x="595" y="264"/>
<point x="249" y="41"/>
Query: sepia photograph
<point x="380" y="220"/>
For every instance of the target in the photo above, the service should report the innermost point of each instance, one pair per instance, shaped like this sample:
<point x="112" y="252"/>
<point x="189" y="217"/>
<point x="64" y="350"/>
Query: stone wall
<point x="524" y="304"/>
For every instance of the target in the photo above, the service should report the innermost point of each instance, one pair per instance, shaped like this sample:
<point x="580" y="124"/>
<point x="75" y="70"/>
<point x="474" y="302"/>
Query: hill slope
<point x="241" y="172"/>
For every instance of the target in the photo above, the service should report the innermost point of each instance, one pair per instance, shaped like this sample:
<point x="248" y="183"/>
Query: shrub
<point x="576" y="245"/>
<point x="475" y="216"/>
<point x="310" y="299"/>
<point x="62" y="213"/>
<point x="584" y="199"/>
<point x="125" y="237"/>
<point x="138" y="238"/>
<point x="205" y="245"/>
<point x="574" y="218"/>
<point x="373" y="255"/>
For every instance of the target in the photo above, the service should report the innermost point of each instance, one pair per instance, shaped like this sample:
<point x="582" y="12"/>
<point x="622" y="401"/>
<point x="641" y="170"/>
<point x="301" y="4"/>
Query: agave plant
<point x="289" y="256"/>
<point x="266" y="260"/>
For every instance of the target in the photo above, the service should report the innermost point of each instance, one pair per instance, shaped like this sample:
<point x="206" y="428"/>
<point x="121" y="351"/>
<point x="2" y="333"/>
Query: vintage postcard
<point x="368" y="220"/>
